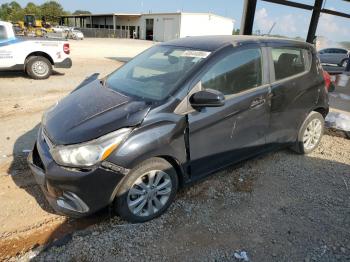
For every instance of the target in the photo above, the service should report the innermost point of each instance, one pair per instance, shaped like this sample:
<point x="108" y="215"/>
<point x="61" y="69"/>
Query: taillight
<point x="66" y="48"/>
<point x="327" y="80"/>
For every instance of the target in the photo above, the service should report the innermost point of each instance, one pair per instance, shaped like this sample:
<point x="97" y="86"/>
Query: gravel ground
<point x="278" y="207"/>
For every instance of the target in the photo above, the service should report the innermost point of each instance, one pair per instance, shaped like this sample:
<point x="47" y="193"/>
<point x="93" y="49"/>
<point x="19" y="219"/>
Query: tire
<point x="130" y="191"/>
<point x="38" y="67"/>
<point x="347" y="134"/>
<point x="344" y="63"/>
<point x="302" y="146"/>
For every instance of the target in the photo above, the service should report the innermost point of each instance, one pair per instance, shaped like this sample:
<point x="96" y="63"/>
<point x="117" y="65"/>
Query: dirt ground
<point x="22" y="102"/>
<point x="271" y="206"/>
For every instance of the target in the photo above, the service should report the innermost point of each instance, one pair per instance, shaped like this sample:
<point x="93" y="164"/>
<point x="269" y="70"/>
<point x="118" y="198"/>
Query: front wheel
<point x="310" y="133"/>
<point x="147" y="191"/>
<point x="38" y="67"/>
<point x="344" y="62"/>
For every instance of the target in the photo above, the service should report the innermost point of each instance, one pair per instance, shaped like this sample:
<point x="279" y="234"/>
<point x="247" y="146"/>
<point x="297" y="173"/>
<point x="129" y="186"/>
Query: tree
<point x="11" y="12"/>
<point x="32" y="8"/>
<point x="235" y="31"/>
<point x="52" y="11"/>
<point x="81" y="12"/>
<point x="345" y="44"/>
<point x="5" y="12"/>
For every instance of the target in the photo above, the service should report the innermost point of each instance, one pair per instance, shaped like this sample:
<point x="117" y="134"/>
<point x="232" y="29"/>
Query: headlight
<point x="89" y="153"/>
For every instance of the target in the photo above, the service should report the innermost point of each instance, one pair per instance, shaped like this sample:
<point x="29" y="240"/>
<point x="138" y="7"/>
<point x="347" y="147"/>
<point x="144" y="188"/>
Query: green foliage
<point x="81" y="12"/>
<point x="345" y="45"/>
<point x="32" y="9"/>
<point x="235" y="32"/>
<point x="13" y="11"/>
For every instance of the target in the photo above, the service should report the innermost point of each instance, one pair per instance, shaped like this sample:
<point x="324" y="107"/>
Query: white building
<point x="154" y="26"/>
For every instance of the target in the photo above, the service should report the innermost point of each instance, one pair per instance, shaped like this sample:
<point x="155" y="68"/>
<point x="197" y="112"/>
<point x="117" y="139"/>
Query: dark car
<point x="174" y="114"/>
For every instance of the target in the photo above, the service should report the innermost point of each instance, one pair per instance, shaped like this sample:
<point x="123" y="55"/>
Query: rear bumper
<point x="66" y="63"/>
<point x="72" y="192"/>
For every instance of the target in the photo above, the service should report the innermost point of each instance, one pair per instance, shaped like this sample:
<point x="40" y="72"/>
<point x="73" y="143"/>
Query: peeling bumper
<point x="71" y="192"/>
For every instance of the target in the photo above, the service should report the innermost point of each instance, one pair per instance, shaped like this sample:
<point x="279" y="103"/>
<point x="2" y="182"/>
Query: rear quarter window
<point x="289" y="62"/>
<point x="3" y="35"/>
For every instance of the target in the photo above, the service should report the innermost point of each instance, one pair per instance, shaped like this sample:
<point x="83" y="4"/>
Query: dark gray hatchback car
<point x="174" y="114"/>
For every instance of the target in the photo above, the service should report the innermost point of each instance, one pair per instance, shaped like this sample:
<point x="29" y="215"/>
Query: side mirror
<point x="207" y="98"/>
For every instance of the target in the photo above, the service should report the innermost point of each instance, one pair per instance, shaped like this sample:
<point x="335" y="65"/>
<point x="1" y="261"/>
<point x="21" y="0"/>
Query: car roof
<point x="337" y="48"/>
<point x="212" y="43"/>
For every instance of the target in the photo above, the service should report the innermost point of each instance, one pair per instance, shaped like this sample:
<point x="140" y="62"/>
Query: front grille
<point x="36" y="159"/>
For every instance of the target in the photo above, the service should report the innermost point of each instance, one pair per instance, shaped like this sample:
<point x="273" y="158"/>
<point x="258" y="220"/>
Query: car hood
<point x="90" y="112"/>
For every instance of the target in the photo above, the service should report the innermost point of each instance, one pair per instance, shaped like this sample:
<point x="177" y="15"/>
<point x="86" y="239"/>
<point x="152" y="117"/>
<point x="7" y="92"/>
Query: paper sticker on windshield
<point x="195" y="53"/>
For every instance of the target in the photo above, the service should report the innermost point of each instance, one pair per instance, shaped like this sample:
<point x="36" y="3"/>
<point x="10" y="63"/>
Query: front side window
<point x="3" y="35"/>
<point x="289" y="61"/>
<point x="155" y="74"/>
<point x="235" y="73"/>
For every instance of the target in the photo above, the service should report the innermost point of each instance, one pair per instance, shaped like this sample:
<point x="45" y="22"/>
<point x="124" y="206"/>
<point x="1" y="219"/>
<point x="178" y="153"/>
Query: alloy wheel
<point x="149" y="193"/>
<point x="312" y="134"/>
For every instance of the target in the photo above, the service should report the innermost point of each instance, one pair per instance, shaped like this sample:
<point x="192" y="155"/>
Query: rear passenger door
<point x="294" y="91"/>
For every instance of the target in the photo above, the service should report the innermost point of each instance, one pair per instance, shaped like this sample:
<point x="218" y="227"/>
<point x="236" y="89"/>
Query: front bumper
<point x="66" y="63"/>
<point x="69" y="191"/>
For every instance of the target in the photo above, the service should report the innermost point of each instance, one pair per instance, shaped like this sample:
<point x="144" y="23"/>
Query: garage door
<point x="169" y="29"/>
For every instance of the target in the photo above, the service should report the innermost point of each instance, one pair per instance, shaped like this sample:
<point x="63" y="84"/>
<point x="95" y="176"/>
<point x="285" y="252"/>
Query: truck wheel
<point x="147" y="191"/>
<point x="38" y="67"/>
<point x="310" y="134"/>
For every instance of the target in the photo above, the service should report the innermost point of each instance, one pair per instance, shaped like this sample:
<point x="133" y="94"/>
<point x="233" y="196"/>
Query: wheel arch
<point x="322" y="110"/>
<point x="178" y="168"/>
<point x="39" y="53"/>
<point x="181" y="174"/>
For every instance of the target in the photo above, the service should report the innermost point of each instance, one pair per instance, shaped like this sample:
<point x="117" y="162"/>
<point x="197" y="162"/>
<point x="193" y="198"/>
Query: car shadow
<point x="21" y="175"/>
<point x="256" y="185"/>
<point x="21" y="73"/>
<point x="19" y="169"/>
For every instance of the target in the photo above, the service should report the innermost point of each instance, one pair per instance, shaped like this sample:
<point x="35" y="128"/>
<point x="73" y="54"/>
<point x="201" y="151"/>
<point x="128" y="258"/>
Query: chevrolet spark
<point x="174" y="114"/>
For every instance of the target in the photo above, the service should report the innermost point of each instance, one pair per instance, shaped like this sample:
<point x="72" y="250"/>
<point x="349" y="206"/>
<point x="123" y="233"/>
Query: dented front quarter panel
<point x="161" y="134"/>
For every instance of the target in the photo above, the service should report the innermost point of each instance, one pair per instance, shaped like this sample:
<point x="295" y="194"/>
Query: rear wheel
<point x="310" y="134"/>
<point x="38" y="67"/>
<point x="147" y="191"/>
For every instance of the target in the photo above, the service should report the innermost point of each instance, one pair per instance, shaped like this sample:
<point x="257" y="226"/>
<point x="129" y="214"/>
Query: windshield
<point x="155" y="73"/>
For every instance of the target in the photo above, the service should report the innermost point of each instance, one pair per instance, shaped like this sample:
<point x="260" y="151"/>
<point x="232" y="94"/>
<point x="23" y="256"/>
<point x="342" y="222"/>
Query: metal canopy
<point x="250" y="6"/>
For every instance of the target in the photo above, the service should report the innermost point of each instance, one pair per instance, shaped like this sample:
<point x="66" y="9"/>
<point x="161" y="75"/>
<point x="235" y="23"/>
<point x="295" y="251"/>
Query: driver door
<point x="220" y="136"/>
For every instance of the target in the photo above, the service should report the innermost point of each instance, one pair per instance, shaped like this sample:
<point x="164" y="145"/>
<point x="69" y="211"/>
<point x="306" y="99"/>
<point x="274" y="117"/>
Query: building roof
<point x="212" y="43"/>
<point x="146" y="14"/>
<point x="109" y="14"/>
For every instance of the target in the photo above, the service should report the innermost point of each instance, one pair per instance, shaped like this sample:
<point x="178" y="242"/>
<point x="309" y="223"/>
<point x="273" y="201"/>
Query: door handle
<point x="257" y="102"/>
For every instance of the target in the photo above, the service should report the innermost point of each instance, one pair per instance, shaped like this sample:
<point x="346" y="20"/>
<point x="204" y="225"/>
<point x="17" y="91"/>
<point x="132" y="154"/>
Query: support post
<point x="314" y="21"/>
<point x="114" y="22"/>
<point x="247" y="21"/>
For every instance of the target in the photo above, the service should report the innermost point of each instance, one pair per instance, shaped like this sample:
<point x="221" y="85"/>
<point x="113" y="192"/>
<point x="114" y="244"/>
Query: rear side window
<point x="290" y="61"/>
<point x="235" y="73"/>
<point x="3" y="34"/>
<point x="341" y="51"/>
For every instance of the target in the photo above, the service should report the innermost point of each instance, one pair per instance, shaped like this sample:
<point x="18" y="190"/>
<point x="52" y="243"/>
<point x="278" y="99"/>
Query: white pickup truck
<point x="36" y="56"/>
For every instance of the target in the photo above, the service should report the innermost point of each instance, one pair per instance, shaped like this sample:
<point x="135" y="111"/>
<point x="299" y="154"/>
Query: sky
<point x="288" y="21"/>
